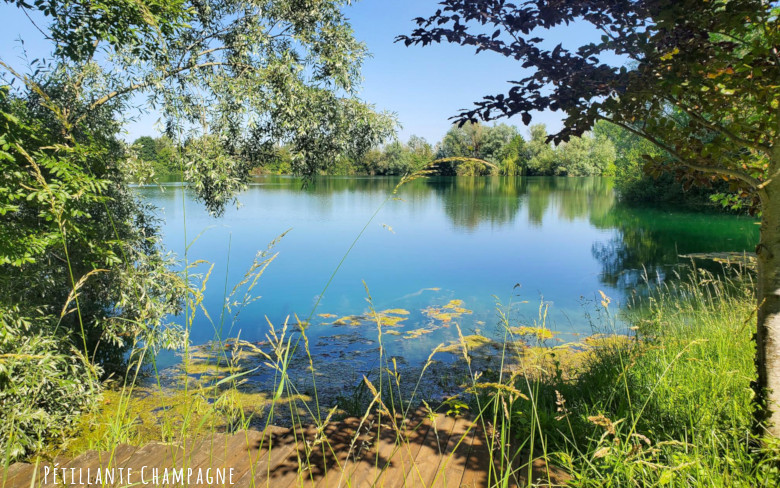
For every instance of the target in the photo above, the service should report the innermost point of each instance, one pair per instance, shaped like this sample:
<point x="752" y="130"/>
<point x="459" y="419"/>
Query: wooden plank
<point x="112" y="460"/>
<point x="192" y="451"/>
<point x="375" y="459"/>
<point x="239" y="453"/>
<point x="453" y="463"/>
<point x="541" y="473"/>
<point x="85" y="459"/>
<point x="316" y="461"/>
<point x="478" y="462"/>
<point x="152" y="455"/>
<point x="348" y="451"/>
<point x="449" y="452"/>
<point x="127" y="458"/>
<point x="121" y="454"/>
<point x="90" y="460"/>
<point x="282" y="444"/>
<point x="224" y="452"/>
<point x="305" y="464"/>
<point x="257" y="452"/>
<point x="244" y="450"/>
<point x="275" y="443"/>
<point x="423" y="468"/>
<point x="193" y="454"/>
<point x="212" y="455"/>
<point x="286" y="468"/>
<point x="379" y="435"/>
<point x="17" y="474"/>
<point x="85" y="470"/>
<point x="23" y="478"/>
<point x="12" y="471"/>
<point x="401" y="452"/>
<point x="327" y="460"/>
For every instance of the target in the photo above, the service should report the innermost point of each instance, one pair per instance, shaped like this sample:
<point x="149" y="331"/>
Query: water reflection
<point x="470" y="201"/>
<point x="649" y="242"/>
<point x="644" y="243"/>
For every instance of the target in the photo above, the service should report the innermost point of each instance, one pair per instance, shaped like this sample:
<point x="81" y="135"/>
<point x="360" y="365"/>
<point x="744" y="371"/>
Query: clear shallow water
<point x="473" y="239"/>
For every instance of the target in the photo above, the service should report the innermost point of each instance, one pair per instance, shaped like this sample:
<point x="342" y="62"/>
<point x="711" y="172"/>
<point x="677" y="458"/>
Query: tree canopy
<point x="696" y="79"/>
<point x="252" y="74"/>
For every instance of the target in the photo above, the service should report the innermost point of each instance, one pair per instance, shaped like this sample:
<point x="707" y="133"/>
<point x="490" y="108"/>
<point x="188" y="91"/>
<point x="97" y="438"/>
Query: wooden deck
<point x="419" y="452"/>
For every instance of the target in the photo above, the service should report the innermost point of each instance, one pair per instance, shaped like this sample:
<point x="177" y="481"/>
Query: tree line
<point x="607" y="150"/>
<point x="502" y="145"/>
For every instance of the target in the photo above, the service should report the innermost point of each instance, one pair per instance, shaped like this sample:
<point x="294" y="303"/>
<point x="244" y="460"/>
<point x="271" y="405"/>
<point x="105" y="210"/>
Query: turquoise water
<point x="518" y="241"/>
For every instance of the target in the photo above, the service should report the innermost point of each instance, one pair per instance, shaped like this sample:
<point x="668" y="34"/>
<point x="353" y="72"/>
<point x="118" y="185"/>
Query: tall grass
<point x="669" y="406"/>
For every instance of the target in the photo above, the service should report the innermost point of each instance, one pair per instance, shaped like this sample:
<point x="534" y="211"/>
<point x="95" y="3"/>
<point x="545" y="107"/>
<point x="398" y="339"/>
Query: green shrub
<point x="45" y="384"/>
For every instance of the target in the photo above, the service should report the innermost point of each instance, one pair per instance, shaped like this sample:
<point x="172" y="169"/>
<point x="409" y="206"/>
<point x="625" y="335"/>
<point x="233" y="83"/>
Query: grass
<point x="670" y="406"/>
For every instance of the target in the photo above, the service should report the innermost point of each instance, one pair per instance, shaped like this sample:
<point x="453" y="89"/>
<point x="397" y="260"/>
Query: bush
<point x="45" y="385"/>
<point x="81" y="270"/>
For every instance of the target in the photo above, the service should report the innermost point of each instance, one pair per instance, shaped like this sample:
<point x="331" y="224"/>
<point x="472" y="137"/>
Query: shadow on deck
<point x="420" y="451"/>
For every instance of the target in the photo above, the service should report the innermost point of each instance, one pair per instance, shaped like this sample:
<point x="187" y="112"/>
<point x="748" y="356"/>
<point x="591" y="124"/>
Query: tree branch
<point x="752" y="182"/>
<point x="722" y="130"/>
<point x="143" y="84"/>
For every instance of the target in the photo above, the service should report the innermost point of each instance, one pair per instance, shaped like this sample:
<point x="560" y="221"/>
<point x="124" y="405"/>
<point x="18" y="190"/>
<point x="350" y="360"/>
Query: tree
<point x="495" y="139"/>
<point x="420" y="147"/>
<point x="476" y="140"/>
<point x="253" y="74"/>
<point x="159" y="153"/>
<point x="81" y="263"/>
<point x="462" y="141"/>
<point x="587" y="155"/>
<point x="514" y="157"/>
<point x="397" y="158"/>
<point x="701" y="85"/>
<point x="146" y="147"/>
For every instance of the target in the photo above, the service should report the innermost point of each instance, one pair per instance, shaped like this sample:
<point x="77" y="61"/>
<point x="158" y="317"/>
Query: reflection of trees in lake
<point x="351" y="184"/>
<point x="572" y="197"/>
<point x="539" y="199"/>
<point x="653" y="239"/>
<point x="633" y="250"/>
<point x="634" y="238"/>
<point x="469" y="201"/>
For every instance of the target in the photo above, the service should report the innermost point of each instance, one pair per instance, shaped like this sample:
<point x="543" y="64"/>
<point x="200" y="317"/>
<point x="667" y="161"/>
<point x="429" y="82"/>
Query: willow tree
<point x="698" y="79"/>
<point x="248" y="74"/>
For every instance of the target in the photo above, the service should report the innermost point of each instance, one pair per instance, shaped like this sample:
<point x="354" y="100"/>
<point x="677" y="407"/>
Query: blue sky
<point x="424" y="86"/>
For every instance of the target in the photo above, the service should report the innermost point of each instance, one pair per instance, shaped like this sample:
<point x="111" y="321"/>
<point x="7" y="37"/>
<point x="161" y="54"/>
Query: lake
<point x="444" y="249"/>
